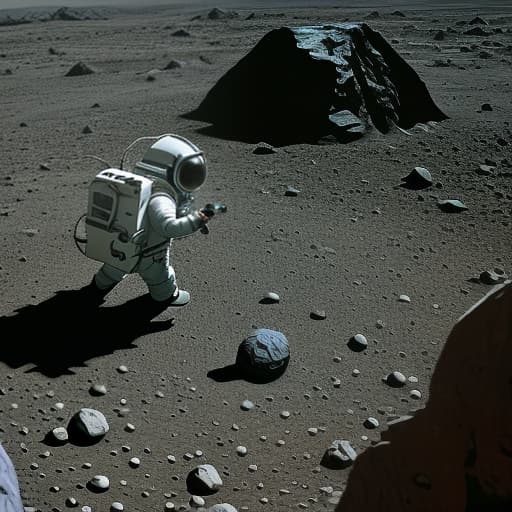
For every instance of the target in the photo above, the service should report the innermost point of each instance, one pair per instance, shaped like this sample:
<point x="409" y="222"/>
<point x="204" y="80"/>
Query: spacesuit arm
<point x="162" y="217"/>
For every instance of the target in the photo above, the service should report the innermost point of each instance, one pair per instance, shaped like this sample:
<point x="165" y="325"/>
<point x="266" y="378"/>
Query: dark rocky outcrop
<point x="302" y="84"/>
<point x="456" y="454"/>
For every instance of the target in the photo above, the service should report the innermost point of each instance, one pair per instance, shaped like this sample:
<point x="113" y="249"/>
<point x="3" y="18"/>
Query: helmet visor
<point x="191" y="174"/>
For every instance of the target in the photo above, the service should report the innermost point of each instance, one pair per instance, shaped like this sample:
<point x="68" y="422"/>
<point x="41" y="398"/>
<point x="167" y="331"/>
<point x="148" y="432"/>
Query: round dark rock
<point x="263" y="355"/>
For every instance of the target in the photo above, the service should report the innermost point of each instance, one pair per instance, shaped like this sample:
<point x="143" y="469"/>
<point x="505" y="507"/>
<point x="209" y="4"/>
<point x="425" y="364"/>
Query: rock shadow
<point x="70" y="328"/>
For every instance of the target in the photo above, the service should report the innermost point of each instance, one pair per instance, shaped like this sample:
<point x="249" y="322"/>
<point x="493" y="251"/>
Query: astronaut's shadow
<point x="70" y="328"/>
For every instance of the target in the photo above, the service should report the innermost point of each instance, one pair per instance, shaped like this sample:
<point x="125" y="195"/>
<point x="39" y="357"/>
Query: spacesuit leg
<point x="159" y="277"/>
<point x="108" y="276"/>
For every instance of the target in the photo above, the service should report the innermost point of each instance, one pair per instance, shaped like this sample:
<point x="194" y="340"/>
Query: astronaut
<point x="177" y="169"/>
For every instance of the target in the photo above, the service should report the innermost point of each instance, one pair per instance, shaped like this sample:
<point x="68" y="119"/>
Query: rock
<point x="339" y="455"/>
<point x="134" y="462"/>
<point x="415" y="394"/>
<point x="349" y="124"/>
<point x="152" y="74"/>
<point x="263" y="355"/>
<point x="477" y="31"/>
<point x="485" y="170"/>
<point x="87" y="129"/>
<point x="486" y="107"/>
<point x="418" y="179"/>
<point x="358" y="343"/>
<point x="264" y="149"/>
<point x="98" y="390"/>
<point x="398" y="13"/>
<point x="181" y="33"/>
<point x="80" y="69"/>
<point x="439" y="36"/>
<point x="99" y="483"/>
<point x="88" y="425"/>
<point x="196" y="502"/>
<point x="404" y="298"/>
<point x="485" y="55"/>
<point x="218" y="14"/>
<point x="203" y="480"/>
<point x="371" y="423"/>
<point x="241" y="451"/>
<point x="451" y="205"/>
<point x="247" y="405"/>
<point x="296" y="85"/>
<point x="116" y="507"/>
<point x="44" y="167"/>
<point x="59" y="435"/>
<point x="318" y="314"/>
<point x="222" y="507"/>
<point x="270" y="298"/>
<point x="373" y="15"/>
<point x="478" y="21"/>
<point x="173" y="64"/>
<point x="491" y="277"/>
<point x="396" y="379"/>
<point x="291" y="191"/>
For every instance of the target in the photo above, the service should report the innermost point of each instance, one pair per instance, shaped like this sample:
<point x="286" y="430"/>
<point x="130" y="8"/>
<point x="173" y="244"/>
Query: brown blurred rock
<point x="456" y="454"/>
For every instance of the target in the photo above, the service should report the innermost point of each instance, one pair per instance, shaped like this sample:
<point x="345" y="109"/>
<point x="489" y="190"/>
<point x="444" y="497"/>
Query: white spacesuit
<point x="177" y="169"/>
<point x="10" y="500"/>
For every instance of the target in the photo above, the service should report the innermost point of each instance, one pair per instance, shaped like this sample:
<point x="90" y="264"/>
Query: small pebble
<point x="371" y="423"/>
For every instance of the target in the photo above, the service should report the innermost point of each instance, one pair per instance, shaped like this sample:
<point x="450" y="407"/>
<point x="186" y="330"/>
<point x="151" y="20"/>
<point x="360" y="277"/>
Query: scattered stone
<point x="134" y="462"/>
<point x="122" y="369"/>
<point x="415" y="394"/>
<point x="87" y="129"/>
<point x="396" y="379"/>
<point x="291" y="191"/>
<point x="491" y="277"/>
<point x="80" y="69"/>
<point x="312" y="431"/>
<point x="181" y="33"/>
<point x="318" y="314"/>
<point x="451" y="205"/>
<point x="116" y="507"/>
<point x="417" y="179"/>
<point x="285" y="414"/>
<point x="59" y="435"/>
<point x="485" y="170"/>
<point x="152" y="74"/>
<point x="404" y="298"/>
<point x="98" y="390"/>
<point x="223" y="507"/>
<point x="218" y="14"/>
<point x="247" y="405"/>
<point x="196" y="501"/>
<point x="371" y="423"/>
<point x="263" y="355"/>
<point x="440" y="35"/>
<point x="339" y="455"/>
<point x="486" y="107"/>
<point x="173" y="64"/>
<point x="358" y="343"/>
<point x="44" y="167"/>
<point x="204" y="479"/>
<point x="241" y="451"/>
<point x="89" y="425"/>
<point x="270" y="298"/>
<point x="71" y="502"/>
<point x="99" y="483"/>
<point x="398" y="13"/>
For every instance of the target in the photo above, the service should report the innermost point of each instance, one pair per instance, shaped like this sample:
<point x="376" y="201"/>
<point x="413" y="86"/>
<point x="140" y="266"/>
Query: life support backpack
<point x="114" y="222"/>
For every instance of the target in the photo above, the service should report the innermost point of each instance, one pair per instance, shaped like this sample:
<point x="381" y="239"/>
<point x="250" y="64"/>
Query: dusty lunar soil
<point x="350" y="243"/>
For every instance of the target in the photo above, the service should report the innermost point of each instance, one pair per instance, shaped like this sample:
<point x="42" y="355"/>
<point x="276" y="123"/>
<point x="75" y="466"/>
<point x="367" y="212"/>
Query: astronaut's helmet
<point x="177" y="161"/>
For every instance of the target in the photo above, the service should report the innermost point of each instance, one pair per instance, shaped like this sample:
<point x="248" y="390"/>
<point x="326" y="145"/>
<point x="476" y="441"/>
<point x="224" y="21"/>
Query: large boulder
<point x="456" y="454"/>
<point x="301" y="84"/>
